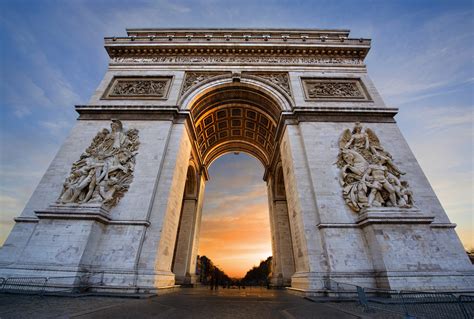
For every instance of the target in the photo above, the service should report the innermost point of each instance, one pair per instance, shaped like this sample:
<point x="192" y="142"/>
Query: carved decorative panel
<point x="138" y="88"/>
<point x="236" y="59"/>
<point x="193" y="78"/>
<point x="280" y="79"/>
<point x="334" y="89"/>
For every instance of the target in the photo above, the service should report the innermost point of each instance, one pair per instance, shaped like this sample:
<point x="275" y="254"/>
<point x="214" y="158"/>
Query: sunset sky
<point x="421" y="61"/>
<point x="235" y="227"/>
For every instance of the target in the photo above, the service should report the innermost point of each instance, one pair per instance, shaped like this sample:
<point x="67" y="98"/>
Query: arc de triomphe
<point x="347" y="198"/>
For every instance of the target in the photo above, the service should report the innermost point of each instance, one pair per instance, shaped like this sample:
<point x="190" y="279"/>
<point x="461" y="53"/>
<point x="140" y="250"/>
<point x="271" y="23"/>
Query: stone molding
<point x="244" y="34"/>
<point x="335" y="89"/>
<point x="233" y="59"/>
<point x="443" y="225"/>
<point x="137" y="88"/>
<point x="94" y="211"/>
<point x="26" y="219"/>
<point x="238" y="45"/>
<point x="387" y="215"/>
<point x="392" y="215"/>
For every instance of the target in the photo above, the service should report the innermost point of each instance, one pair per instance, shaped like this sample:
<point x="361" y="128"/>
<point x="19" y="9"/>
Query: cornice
<point x="174" y="45"/>
<point x="297" y="114"/>
<point x="237" y="31"/>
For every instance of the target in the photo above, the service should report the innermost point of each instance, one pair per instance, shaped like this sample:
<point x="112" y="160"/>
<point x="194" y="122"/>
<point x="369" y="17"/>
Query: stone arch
<point x="191" y="186"/>
<point x="284" y="101"/>
<point x="235" y="116"/>
<point x="279" y="188"/>
<point x="283" y="262"/>
<point x="188" y="227"/>
<point x="238" y="116"/>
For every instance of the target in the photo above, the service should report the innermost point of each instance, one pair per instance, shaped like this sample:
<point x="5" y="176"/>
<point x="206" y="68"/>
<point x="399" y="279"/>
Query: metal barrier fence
<point x="468" y="304"/>
<point x="40" y="285"/>
<point x="65" y="284"/>
<point x="410" y="304"/>
<point x="25" y="285"/>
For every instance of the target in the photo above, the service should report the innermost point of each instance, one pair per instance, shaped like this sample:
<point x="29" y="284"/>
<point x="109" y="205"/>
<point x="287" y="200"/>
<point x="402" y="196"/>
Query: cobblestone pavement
<point x="184" y="303"/>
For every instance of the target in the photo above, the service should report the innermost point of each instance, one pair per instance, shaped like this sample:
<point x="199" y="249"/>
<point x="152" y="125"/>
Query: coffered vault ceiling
<point x="235" y="118"/>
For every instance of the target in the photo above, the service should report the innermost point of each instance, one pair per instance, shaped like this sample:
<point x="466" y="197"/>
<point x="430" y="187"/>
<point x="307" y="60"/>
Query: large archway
<point x="234" y="116"/>
<point x="299" y="101"/>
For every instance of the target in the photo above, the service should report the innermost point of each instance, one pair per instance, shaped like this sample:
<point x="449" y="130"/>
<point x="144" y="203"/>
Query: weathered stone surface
<point x="294" y="107"/>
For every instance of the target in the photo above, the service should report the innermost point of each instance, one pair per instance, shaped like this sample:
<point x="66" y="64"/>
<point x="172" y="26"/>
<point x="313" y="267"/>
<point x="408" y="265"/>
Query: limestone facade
<point x="286" y="97"/>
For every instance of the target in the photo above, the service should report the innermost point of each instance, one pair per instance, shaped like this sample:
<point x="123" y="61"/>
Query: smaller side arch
<point x="191" y="186"/>
<point x="279" y="186"/>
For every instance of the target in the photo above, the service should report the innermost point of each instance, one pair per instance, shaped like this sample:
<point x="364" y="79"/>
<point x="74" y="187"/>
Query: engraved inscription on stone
<point x="279" y="79"/>
<point x="105" y="170"/>
<point x="334" y="89"/>
<point x="369" y="176"/>
<point x="138" y="88"/>
<point x="193" y="78"/>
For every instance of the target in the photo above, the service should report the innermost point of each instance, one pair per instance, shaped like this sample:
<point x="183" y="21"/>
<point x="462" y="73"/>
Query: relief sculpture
<point x="144" y="87"/>
<point x="193" y="78"/>
<point x="369" y="176"/>
<point x="333" y="89"/>
<point x="105" y="170"/>
<point x="280" y="79"/>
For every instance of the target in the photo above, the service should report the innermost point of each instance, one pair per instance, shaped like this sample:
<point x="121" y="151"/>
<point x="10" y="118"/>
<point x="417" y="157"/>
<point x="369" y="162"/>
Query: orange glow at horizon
<point x="235" y="225"/>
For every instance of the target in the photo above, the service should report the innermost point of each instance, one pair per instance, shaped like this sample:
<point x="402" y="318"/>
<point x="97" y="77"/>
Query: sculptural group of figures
<point x="368" y="174"/>
<point x="144" y="87"/>
<point x="105" y="170"/>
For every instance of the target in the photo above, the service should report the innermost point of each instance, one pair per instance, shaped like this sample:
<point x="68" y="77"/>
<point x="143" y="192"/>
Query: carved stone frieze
<point x="138" y="88"/>
<point x="193" y="78"/>
<point x="237" y="59"/>
<point x="104" y="171"/>
<point x="369" y="176"/>
<point x="280" y="79"/>
<point x="334" y="89"/>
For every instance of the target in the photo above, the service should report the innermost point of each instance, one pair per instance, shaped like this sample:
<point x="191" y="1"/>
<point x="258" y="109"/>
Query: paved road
<point x="185" y="303"/>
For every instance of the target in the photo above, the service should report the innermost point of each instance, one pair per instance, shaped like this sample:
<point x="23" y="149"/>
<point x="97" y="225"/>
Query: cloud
<point x="23" y="160"/>
<point x="432" y="56"/>
<point x="236" y="242"/>
<point x="235" y="227"/>
<point x="442" y="140"/>
<point x="56" y="127"/>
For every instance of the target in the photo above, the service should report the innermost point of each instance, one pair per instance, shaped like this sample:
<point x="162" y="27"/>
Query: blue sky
<point x="421" y="61"/>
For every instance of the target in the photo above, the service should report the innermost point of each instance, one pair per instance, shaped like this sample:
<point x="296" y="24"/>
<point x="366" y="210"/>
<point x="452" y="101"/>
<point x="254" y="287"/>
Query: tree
<point x="207" y="269"/>
<point x="259" y="275"/>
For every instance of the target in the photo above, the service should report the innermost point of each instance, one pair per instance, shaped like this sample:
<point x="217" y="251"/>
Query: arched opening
<point x="234" y="117"/>
<point x="183" y="260"/>
<point x="235" y="228"/>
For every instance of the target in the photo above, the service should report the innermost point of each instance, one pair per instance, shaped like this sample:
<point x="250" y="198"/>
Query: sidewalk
<point x="185" y="303"/>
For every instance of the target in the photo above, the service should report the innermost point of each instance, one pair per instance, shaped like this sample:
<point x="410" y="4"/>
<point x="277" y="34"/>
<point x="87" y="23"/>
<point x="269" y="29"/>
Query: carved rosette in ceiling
<point x="334" y="89"/>
<point x="138" y="88"/>
<point x="280" y="79"/>
<point x="192" y="79"/>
